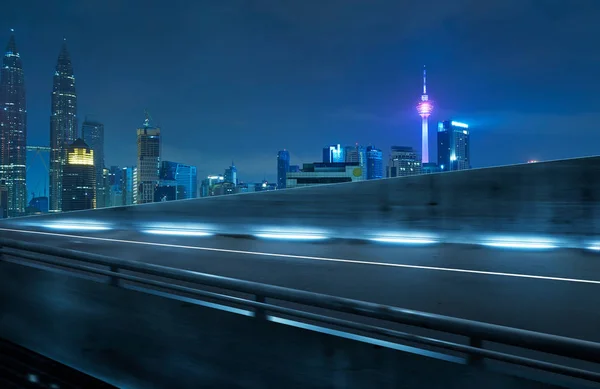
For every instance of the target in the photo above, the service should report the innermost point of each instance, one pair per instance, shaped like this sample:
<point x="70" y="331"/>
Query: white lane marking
<point x="324" y="259"/>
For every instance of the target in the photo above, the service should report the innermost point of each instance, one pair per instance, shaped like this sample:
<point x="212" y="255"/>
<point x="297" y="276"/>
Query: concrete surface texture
<point x="135" y="340"/>
<point x="550" y="198"/>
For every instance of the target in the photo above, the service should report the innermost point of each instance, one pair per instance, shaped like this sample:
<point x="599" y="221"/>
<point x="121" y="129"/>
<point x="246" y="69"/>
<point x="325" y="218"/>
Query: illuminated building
<point x="3" y="200"/>
<point x="129" y="187"/>
<point x="208" y="185"/>
<point x="63" y="124"/>
<point x="148" y="160"/>
<point x="179" y="176"/>
<point x="333" y="153"/>
<point x="79" y="178"/>
<point x="453" y="146"/>
<point x="374" y="163"/>
<point x="231" y="174"/>
<point x="92" y="133"/>
<point x="357" y="154"/>
<point x="13" y="130"/>
<point x="404" y="161"/>
<point x="324" y="173"/>
<point x="424" y="108"/>
<point x="283" y="167"/>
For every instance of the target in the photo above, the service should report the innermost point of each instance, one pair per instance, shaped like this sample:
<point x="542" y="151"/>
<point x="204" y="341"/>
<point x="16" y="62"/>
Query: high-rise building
<point x="404" y="161"/>
<point x="283" y="167"/>
<point x="92" y="133"/>
<point x="453" y="146"/>
<point x="424" y="108"/>
<point x="3" y="200"/>
<point x="357" y="154"/>
<point x="183" y="177"/>
<point x="231" y="174"/>
<point x="374" y="163"/>
<point x="148" y="161"/>
<point x="129" y="187"/>
<point x="63" y="124"/>
<point x="333" y="153"/>
<point x="13" y="130"/>
<point x="79" y="178"/>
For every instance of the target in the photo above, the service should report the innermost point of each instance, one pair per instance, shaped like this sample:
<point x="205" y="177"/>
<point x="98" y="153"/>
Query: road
<point x="553" y="291"/>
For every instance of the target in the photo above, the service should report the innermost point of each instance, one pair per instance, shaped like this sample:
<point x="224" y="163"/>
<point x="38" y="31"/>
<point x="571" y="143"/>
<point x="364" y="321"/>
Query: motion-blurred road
<point x="554" y="291"/>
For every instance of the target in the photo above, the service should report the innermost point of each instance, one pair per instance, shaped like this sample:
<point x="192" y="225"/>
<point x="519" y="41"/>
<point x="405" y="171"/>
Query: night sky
<point x="239" y="80"/>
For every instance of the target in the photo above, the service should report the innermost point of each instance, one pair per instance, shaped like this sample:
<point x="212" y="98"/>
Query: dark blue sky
<point x="238" y="80"/>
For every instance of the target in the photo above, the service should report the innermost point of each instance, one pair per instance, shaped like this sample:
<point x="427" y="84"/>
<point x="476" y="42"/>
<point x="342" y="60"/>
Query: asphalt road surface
<point x="549" y="290"/>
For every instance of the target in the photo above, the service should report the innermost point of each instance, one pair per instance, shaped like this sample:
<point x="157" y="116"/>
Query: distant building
<point x="13" y="132"/>
<point x="333" y="153"/>
<point x="79" y="178"/>
<point x="208" y="185"/>
<point x="374" y="163"/>
<point x="264" y="186"/>
<point x="294" y="169"/>
<point x="92" y="133"/>
<point x="148" y="160"/>
<point x="63" y="125"/>
<point x="231" y="174"/>
<point x="404" y="161"/>
<point x="453" y="146"/>
<point x="38" y="205"/>
<point x="357" y="154"/>
<point x="283" y="167"/>
<point x="3" y="201"/>
<point x="129" y="187"/>
<point x="183" y="177"/>
<point x="223" y="188"/>
<point x="325" y="173"/>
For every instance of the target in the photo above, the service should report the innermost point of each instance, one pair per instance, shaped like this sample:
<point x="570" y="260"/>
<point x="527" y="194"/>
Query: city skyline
<point x="327" y="97"/>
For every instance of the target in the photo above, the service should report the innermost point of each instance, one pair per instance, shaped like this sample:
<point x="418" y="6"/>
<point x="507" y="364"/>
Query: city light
<point x="81" y="156"/>
<point x="75" y="225"/>
<point x="459" y="124"/>
<point x="520" y="243"/>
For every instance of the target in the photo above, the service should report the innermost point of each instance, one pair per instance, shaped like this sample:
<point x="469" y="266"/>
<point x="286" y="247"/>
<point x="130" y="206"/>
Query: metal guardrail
<point x="476" y="332"/>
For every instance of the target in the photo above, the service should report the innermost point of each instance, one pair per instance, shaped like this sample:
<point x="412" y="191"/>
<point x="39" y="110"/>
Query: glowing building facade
<point x="454" y="152"/>
<point x="424" y="108"/>
<point x="404" y="161"/>
<point x="283" y="167"/>
<point x="13" y="130"/>
<point x="92" y="133"/>
<point x="63" y="124"/>
<point x="79" y="178"/>
<point x="148" y="162"/>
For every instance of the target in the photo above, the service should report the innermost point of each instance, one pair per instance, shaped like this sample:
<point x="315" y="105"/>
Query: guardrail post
<point x="475" y="359"/>
<point x="259" y="313"/>
<point x="114" y="280"/>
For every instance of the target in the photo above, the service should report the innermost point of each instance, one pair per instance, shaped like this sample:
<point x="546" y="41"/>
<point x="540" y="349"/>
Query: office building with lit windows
<point x="13" y="130"/>
<point x="404" y="161"/>
<point x="453" y="146"/>
<point x="374" y="163"/>
<point x="92" y="133"/>
<point x="148" y="162"/>
<point x="63" y="124"/>
<point x="79" y="178"/>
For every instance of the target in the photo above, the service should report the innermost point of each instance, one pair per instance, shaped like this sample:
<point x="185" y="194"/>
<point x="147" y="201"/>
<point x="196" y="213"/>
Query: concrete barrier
<point x="550" y="198"/>
<point x="137" y="340"/>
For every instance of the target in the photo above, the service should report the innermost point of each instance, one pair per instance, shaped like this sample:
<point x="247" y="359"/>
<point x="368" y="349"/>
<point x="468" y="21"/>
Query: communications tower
<point x="424" y="108"/>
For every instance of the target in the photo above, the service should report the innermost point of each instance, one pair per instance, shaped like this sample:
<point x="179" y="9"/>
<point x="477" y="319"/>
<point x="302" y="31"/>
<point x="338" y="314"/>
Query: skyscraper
<point x="404" y="161"/>
<point x="283" y="167"/>
<point x="148" y="161"/>
<point x="63" y="124"/>
<point x="231" y="174"/>
<point x="79" y="178"/>
<point x="13" y="130"/>
<point x="183" y="177"/>
<point x="92" y="133"/>
<point x="374" y="163"/>
<point x="453" y="146"/>
<point x="424" y="108"/>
